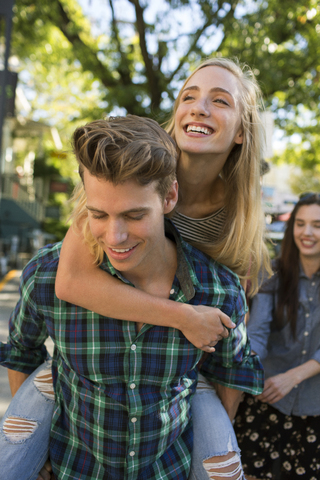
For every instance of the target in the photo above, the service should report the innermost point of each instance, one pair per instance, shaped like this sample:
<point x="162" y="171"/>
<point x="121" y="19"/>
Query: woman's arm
<point x="16" y="379"/>
<point x="230" y="399"/>
<point x="80" y="282"/>
<point x="277" y="387"/>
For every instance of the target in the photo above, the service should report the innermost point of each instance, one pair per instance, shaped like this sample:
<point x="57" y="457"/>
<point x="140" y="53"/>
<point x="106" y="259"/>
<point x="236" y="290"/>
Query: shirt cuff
<point x="247" y="376"/>
<point x="316" y="356"/>
<point x="25" y="361"/>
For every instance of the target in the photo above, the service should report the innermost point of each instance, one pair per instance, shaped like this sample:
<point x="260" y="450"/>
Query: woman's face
<point x="207" y="120"/>
<point x="306" y="231"/>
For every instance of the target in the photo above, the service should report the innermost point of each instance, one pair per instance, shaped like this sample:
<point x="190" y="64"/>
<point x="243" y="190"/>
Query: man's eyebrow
<point x="125" y="212"/>
<point x="93" y="209"/>
<point x="212" y="90"/>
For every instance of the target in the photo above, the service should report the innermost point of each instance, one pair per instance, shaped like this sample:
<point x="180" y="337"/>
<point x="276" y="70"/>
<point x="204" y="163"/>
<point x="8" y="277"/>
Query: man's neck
<point x="158" y="281"/>
<point x="157" y="278"/>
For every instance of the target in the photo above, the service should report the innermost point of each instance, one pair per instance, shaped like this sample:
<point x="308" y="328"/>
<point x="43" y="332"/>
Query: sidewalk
<point x="9" y="295"/>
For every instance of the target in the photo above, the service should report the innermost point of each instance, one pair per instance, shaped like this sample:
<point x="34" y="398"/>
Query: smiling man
<point x="124" y="221"/>
<point x="123" y="390"/>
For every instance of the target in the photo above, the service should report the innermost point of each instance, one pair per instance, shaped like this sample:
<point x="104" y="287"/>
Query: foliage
<point x="133" y="56"/>
<point x="138" y="64"/>
<point x="55" y="227"/>
<point x="306" y="181"/>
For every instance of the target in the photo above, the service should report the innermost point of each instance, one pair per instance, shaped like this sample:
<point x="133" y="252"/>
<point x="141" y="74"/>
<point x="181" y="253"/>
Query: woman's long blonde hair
<point x="241" y="246"/>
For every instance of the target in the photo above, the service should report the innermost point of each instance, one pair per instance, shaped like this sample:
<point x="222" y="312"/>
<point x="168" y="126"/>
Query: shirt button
<point x="296" y="386"/>
<point x="313" y="284"/>
<point x="132" y="454"/>
<point x="307" y="315"/>
<point x="172" y="291"/>
<point x="304" y="352"/>
<point x="134" y="419"/>
<point x="132" y="386"/>
<point x="310" y="299"/>
<point x="133" y="347"/>
<point x="306" y="334"/>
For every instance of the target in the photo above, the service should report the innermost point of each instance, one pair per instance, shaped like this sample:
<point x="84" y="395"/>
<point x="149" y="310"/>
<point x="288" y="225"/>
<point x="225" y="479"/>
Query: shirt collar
<point x="184" y="272"/>
<point x="303" y="275"/>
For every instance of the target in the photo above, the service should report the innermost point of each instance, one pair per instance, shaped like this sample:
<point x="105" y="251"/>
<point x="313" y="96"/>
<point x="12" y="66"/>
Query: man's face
<point x="127" y="222"/>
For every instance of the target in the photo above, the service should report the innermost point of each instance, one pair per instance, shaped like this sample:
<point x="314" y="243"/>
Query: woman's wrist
<point x="175" y="314"/>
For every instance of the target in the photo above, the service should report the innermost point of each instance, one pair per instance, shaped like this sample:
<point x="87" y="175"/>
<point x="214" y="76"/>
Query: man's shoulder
<point x="203" y="263"/>
<point x="39" y="274"/>
<point x="214" y="283"/>
<point x="46" y="260"/>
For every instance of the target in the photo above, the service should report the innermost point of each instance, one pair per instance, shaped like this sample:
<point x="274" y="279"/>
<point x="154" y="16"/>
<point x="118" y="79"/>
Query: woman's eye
<point x="97" y="216"/>
<point x="186" y="98"/>
<point x="221" y="100"/>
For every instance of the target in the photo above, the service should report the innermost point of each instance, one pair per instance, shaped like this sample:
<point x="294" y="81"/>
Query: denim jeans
<point x="213" y="432"/>
<point x="22" y="458"/>
<point x="22" y="455"/>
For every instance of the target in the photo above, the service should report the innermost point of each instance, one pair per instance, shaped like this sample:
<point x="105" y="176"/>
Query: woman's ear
<point x="239" y="137"/>
<point x="171" y="198"/>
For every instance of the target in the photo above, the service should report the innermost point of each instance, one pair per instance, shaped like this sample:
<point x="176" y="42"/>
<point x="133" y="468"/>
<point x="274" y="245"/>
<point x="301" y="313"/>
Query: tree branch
<point x="86" y="54"/>
<point x="211" y="20"/>
<point x="152" y="77"/>
<point x="123" y="69"/>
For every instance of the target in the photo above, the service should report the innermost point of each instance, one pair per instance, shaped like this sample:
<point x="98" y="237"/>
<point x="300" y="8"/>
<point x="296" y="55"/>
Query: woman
<point x="216" y="125"/>
<point x="279" y="431"/>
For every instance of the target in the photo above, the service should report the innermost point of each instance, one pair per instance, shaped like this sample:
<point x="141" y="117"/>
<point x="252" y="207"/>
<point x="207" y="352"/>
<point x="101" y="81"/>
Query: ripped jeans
<point x="25" y="427"/>
<point x="25" y="430"/>
<point x="213" y="437"/>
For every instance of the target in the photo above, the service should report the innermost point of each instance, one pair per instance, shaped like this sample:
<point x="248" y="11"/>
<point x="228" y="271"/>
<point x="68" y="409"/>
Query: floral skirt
<point x="277" y="446"/>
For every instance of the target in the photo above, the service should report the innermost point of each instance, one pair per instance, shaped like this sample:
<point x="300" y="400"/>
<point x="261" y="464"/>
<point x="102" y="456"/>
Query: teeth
<point x="121" y="250"/>
<point x="307" y="242"/>
<point x="193" y="128"/>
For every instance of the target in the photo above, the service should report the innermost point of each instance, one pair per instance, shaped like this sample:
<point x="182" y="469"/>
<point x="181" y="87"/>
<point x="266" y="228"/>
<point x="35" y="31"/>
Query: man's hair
<point x="119" y="149"/>
<point x="125" y="148"/>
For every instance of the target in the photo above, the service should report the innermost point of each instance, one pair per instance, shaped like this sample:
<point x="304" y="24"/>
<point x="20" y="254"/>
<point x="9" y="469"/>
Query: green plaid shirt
<point x="122" y="398"/>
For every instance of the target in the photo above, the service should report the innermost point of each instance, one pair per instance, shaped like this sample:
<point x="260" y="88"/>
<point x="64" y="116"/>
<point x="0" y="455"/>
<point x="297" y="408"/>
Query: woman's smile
<point x="208" y="119"/>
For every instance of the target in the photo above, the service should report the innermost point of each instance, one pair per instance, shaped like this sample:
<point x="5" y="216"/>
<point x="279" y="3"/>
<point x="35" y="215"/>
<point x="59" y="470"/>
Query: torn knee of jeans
<point x="17" y="429"/>
<point x="43" y="382"/>
<point x="226" y="467"/>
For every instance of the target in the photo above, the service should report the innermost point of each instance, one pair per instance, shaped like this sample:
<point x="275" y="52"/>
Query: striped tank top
<point x="200" y="230"/>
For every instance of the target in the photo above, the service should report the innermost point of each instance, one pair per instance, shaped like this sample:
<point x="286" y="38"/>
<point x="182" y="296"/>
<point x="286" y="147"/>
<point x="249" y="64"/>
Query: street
<point x="9" y="295"/>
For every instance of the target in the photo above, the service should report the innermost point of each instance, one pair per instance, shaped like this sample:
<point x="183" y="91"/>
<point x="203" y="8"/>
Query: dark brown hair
<point x="288" y="267"/>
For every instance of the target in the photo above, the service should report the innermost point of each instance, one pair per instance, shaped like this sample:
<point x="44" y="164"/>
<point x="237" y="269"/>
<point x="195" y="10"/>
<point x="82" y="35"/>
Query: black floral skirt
<point x="277" y="446"/>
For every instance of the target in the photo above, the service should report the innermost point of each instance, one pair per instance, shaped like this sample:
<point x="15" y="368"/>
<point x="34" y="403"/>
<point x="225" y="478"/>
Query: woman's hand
<point x="277" y="387"/>
<point x="46" y="472"/>
<point x="206" y="327"/>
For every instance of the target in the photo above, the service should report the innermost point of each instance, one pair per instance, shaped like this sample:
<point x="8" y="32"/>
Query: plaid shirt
<point x="122" y="398"/>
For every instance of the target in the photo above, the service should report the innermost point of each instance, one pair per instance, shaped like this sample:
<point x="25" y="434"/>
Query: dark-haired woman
<point x="279" y="431"/>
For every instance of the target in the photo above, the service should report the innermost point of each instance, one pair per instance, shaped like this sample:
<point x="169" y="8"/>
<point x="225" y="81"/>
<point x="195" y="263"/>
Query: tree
<point x="140" y="64"/>
<point x="133" y="57"/>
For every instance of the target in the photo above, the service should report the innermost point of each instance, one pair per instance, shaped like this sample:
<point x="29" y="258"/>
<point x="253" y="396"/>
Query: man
<point x="123" y="390"/>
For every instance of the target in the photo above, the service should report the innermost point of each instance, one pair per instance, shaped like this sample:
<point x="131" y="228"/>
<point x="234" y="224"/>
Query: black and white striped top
<point x="200" y="230"/>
